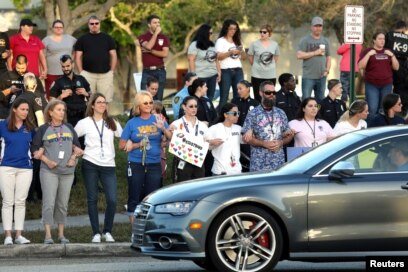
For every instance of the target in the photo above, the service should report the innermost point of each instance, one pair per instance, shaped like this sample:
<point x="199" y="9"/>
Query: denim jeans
<point x="160" y="75"/>
<point x="374" y="95"/>
<point x="345" y="83"/>
<point x="211" y="84"/>
<point x="229" y="78"/>
<point x="318" y="85"/>
<point x="142" y="180"/>
<point x="92" y="174"/>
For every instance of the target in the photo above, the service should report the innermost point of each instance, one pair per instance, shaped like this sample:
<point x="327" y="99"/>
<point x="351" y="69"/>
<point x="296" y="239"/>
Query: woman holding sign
<point x="189" y="124"/>
<point x="141" y="139"/>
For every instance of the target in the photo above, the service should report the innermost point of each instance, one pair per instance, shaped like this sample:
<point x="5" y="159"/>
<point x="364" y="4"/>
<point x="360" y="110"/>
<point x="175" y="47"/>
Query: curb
<point x="68" y="250"/>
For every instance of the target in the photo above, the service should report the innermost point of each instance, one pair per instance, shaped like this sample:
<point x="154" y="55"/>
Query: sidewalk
<point x="69" y="250"/>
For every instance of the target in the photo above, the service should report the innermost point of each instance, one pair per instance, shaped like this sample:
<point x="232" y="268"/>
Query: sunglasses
<point x="263" y="32"/>
<point x="269" y="92"/>
<point x="192" y="106"/>
<point x="148" y="103"/>
<point x="58" y="27"/>
<point x="233" y="113"/>
<point x="96" y="23"/>
<point x="102" y="102"/>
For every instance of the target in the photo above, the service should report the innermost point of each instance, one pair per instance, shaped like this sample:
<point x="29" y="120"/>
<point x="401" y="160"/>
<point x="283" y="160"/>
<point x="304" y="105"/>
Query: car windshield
<point x="318" y="154"/>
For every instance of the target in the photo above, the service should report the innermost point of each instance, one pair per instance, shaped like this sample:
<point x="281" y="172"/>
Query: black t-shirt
<point x="398" y="43"/>
<point x="4" y="45"/>
<point x="13" y="78"/>
<point x="74" y="102"/>
<point x="95" y="51"/>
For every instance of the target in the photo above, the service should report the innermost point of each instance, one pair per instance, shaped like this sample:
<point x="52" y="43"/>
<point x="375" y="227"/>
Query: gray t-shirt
<point x="54" y="50"/>
<point x="205" y="62"/>
<point x="314" y="67"/>
<point x="264" y="65"/>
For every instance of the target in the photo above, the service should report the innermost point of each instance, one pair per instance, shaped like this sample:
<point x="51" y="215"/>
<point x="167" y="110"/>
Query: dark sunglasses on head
<point x="148" y="103"/>
<point x="233" y="113"/>
<point x="192" y="106"/>
<point x="263" y="32"/>
<point x="96" y="23"/>
<point x="270" y="92"/>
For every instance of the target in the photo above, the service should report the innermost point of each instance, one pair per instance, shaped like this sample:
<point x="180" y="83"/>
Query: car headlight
<point x="175" y="208"/>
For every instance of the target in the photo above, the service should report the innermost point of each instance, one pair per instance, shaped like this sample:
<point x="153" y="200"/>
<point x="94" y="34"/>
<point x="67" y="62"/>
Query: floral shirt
<point x="266" y="126"/>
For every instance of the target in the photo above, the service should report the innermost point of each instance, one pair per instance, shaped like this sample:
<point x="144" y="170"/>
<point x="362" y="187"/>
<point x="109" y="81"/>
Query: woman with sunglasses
<point x="98" y="163"/>
<point x="263" y="55"/>
<point x="202" y="59"/>
<point x="310" y="131"/>
<point x="353" y="119"/>
<point x="56" y="45"/>
<point x="392" y="106"/>
<point x="190" y="124"/>
<point x="141" y="139"/>
<point x="227" y="154"/>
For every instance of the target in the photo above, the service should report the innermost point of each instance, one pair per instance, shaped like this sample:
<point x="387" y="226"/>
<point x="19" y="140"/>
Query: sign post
<point x="353" y="34"/>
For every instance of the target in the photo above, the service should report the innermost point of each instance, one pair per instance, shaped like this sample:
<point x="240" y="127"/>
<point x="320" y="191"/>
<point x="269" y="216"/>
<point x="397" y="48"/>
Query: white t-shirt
<point x="306" y="134"/>
<point x="222" y="46"/>
<point x="345" y="127"/>
<point x="197" y="129"/>
<point x="93" y="151"/>
<point x="226" y="155"/>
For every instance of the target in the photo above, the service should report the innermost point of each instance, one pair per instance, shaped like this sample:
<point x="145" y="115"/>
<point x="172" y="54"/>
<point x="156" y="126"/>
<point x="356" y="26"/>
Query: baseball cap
<point x="317" y="21"/>
<point x="27" y="22"/>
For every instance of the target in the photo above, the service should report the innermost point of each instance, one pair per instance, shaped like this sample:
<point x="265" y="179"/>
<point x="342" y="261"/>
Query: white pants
<point x="101" y="83"/>
<point x="14" y="186"/>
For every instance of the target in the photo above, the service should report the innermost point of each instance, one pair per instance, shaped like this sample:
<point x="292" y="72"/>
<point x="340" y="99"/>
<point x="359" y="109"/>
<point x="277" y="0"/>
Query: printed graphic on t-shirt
<point x="210" y="56"/>
<point x="147" y="130"/>
<point x="266" y="58"/>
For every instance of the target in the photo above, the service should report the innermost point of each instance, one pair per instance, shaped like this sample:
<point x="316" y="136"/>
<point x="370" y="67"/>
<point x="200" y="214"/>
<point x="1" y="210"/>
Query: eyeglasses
<point x="210" y="32"/>
<point x="58" y="27"/>
<point x="96" y="23"/>
<point x="101" y="102"/>
<point x="192" y="106"/>
<point x="269" y="92"/>
<point x="148" y="103"/>
<point x="263" y="32"/>
<point x="233" y="113"/>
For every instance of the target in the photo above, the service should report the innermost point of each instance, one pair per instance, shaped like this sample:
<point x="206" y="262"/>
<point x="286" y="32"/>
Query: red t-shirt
<point x="30" y="49"/>
<point x="379" y="68"/>
<point x="149" y="59"/>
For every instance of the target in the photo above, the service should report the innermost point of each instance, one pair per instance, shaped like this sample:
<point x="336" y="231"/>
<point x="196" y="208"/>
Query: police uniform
<point x="332" y="110"/>
<point x="289" y="102"/>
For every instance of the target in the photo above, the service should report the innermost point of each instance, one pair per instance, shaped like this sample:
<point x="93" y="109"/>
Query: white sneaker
<point x="21" y="240"/>
<point x="8" y="241"/>
<point x="108" y="238"/>
<point x="96" y="238"/>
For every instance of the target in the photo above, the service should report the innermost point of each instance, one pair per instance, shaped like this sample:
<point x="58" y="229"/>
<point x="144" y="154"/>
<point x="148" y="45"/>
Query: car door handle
<point x="405" y="187"/>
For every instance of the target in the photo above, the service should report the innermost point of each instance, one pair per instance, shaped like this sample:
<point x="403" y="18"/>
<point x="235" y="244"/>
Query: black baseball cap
<point x="27" y="22"/>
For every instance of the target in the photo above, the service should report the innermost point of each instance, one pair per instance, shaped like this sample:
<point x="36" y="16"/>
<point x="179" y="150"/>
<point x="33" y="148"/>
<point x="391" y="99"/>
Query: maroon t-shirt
<point x="379" y="68"/>
<point x="149" y="59"/>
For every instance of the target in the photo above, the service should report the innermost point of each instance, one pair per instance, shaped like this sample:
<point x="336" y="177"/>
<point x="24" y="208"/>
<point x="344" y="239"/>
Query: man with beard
<point x="73" y="89"/>
<point x="155" y="47"/>
<point x="12" y="85"/>
<point x="266" y="130"/>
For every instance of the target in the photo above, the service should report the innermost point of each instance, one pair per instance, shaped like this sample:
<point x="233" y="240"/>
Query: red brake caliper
<point x="263" y="239"/>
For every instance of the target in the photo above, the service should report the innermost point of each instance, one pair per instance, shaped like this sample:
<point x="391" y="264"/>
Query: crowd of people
<point x="45" y="130"/>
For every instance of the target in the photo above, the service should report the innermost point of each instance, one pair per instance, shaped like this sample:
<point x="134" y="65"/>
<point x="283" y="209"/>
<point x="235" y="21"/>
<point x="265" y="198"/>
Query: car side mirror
<point x="342" y="169"/>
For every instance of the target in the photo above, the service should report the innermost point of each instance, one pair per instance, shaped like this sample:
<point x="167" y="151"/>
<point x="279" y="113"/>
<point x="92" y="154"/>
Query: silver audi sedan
<point x="341" y="201"/>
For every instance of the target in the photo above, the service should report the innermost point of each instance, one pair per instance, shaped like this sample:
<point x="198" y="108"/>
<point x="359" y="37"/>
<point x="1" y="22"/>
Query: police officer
<point x="286" y="98"/>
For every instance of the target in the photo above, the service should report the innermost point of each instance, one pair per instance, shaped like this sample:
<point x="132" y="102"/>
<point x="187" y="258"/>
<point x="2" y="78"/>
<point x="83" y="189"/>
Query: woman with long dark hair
<point x="227" y="153"/>
<point x="230" y="52"/>
<point x="392" y="106"/>
<point x="16" y="169"/>
<point x="99" y="130"/>
<point x="310" y="131"/>
<point x="202" y="59"/>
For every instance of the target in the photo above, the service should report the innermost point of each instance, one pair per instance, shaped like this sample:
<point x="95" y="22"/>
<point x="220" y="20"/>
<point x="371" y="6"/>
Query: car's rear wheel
<point x="245" y="238"/>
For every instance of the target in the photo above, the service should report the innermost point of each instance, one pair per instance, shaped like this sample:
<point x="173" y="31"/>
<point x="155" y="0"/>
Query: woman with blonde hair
<point x="56" y="145"/>
<point x="98" y="163"/>
<point x="353" y="119"/>
<point x="141" y="139"/>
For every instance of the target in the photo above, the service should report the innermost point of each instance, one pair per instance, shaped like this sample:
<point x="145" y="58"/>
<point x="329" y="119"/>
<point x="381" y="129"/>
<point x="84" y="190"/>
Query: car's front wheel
<point x="245" y="238"/>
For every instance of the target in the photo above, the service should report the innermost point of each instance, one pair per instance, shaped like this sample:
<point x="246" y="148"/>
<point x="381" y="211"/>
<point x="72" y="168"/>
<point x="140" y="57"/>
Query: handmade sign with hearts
<point x="188" y="147"/>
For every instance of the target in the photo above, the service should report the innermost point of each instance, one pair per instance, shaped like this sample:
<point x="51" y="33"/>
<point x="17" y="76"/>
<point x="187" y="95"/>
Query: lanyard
<point x="186" y="126"/>
<point x="269" y="120"/>
<point x="59" y="135"/>
<point x="100" y="132"/>
<point x="312" y="129"/>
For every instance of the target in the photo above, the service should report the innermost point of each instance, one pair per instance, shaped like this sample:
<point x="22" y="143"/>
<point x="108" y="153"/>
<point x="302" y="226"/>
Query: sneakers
<point x="48" y="241"/>
<point x="21" y="240"/>
<point x="8" y="241"/>
<point x="63" y="240"/>
<point x="108" y="238"/>
<point x="96" y="238"/>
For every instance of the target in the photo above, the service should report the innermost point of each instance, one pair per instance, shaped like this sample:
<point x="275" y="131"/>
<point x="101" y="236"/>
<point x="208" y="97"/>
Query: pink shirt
<point x="345" y="51"/>
<point x="30" y="49"/>
<point x="307" y="133"/>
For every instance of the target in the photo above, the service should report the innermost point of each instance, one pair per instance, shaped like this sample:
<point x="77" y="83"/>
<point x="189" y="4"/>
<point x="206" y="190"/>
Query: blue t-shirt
<point x="15" y="150"/>
<point x="177" y="100"/>
<point x="136" y="129"/>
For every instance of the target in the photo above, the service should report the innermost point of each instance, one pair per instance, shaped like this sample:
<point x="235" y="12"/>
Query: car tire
<point x="245" y="238"/>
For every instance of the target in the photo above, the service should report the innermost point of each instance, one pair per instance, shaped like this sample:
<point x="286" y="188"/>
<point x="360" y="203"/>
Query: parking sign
<point x="354" y="24"/>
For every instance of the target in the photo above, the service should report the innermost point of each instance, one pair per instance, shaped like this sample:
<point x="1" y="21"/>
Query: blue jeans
<point x="345" y="83"/>
<point x="92" y="174"/>
<point x="318" y="85"/>
<point x="211" y="84"/>
<point x="229" y="78"/>
<point x="142" y="181"/>
<point x="160" y="75"/>
<point x="374" y="95"/>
